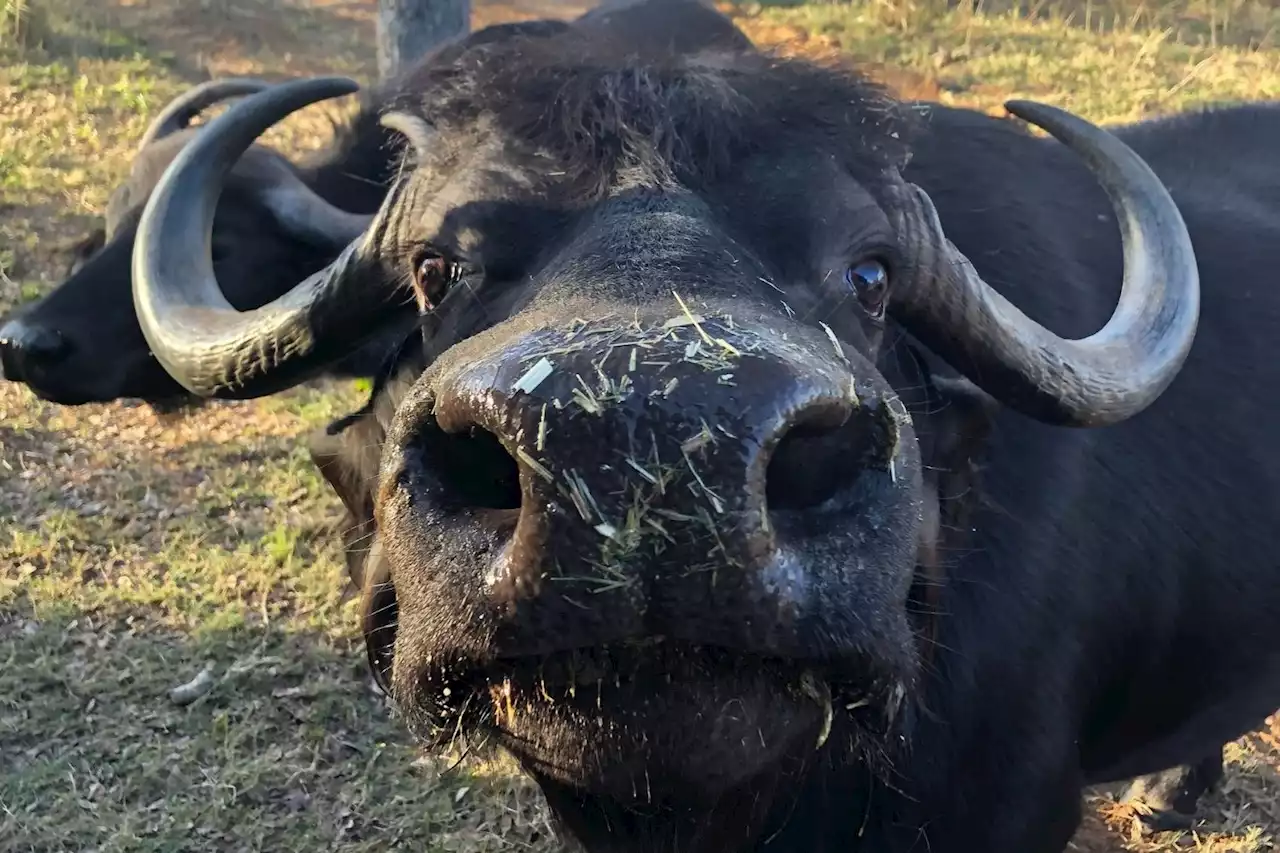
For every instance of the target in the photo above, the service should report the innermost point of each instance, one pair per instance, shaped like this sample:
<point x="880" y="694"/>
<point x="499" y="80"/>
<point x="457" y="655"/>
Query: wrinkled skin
<point x="796" y="586"/>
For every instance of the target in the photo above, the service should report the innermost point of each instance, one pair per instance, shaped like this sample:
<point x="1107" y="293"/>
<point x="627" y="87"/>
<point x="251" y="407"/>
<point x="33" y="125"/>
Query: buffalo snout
<point x="28" y="349"/>
<point x="685" y="480"/>
<point x="32" y="352"/>
<point x="81" y="342"/>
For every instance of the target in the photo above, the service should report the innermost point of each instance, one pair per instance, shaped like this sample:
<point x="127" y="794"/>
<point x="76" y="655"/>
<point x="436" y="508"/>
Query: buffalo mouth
<point x="63" y="385"/>
<point x="74" y="383"/>
<point x="659" y="723"/>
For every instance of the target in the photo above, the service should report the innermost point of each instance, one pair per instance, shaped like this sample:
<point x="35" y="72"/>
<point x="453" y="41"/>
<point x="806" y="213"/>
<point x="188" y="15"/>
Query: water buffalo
<point x="276" y="222"/>
<point x="756" y="480"/>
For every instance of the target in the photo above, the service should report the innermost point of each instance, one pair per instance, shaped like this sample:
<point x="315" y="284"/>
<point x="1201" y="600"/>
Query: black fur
<point x="1090" y="605"/>
<point x="571" y="98"/>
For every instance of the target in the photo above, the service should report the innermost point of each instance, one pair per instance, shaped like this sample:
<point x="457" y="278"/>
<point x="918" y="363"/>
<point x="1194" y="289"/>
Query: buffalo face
<point x="82" y="343"/>
<point x="651" y="513"/>
<point x="647" y="508"/>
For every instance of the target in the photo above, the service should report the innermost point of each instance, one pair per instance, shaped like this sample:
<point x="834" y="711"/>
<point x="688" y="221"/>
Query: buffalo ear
<point x="959" y="425"/>
<point x="347" y="453"/>
<point x="952" y="435"/>
<point x="379" y="616"/>
<point x="966" y="417"/>
<point x="347" y="456"/>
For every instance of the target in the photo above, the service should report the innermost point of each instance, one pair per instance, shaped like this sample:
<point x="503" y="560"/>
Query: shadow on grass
<point x="290" y="750"/>
<point x="133" y="552"/>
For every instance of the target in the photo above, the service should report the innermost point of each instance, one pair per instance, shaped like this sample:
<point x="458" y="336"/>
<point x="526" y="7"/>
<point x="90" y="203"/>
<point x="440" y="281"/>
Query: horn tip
<point x="341" y="82"/>
<point x="1036" y="111"/>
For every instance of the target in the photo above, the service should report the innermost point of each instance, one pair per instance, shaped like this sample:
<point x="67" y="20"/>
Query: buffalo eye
<point x="869" y="281"/>
<point x="433" y="275"/>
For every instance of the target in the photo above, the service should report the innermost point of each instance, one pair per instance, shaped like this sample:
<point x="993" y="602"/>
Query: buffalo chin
<point x="84" y="384"/>
<point x="654" y="725"/>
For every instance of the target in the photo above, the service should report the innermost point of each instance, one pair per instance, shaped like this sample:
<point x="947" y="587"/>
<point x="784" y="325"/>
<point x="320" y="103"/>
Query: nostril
<point x="472" y="467"/>
<point x="821" y="454"/>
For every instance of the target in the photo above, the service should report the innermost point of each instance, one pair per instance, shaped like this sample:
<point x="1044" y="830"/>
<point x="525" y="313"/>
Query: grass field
<point x="137" y="550"/>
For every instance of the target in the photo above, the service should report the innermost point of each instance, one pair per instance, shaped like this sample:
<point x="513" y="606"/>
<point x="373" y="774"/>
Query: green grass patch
<point x="1108" y="61"/>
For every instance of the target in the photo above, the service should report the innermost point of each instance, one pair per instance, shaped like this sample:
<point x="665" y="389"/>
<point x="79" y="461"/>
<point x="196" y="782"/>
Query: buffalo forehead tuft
<point x="601" y="110"/>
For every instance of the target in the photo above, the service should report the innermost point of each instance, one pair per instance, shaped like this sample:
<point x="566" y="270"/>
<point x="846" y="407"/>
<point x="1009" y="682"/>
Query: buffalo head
<point x="81" y="343"/>
<point x="649" y="511"/>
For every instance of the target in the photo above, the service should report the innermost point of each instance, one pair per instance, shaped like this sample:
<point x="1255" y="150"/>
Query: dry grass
<point x="135" y="551"/>
<point x="1113" y="61"/>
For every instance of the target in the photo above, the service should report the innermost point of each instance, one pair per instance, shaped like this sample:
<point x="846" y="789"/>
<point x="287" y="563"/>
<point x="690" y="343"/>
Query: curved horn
<point x="179" y="112"/>
<point x="1096" y="381"/>
<point x="201" y="340"/>
<point x="306" y="214"/>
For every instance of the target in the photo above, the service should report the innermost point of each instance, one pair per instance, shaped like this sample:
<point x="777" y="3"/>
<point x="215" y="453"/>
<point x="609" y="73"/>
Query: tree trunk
<point x="409" y="28"/>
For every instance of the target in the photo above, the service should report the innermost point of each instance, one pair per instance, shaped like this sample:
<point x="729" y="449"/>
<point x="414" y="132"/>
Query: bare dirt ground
<point x="136" y="550"/>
